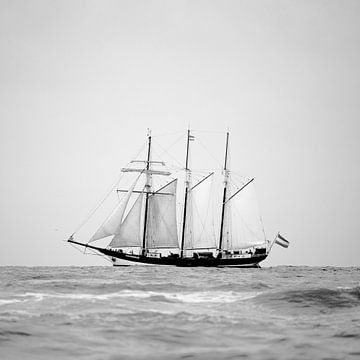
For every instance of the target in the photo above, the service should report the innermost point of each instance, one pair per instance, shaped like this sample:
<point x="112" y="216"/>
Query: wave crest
<point x="180" y="297"/>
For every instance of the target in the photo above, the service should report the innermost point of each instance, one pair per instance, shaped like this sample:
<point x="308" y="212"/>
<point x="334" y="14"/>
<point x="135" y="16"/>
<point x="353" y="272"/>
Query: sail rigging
<point x="244" y="228"/>
<point x="130" y="230"/>
<point x="202" y="214"/>
<point x="161" y="225"/>
<point x="111" y="226"/>
<point x="215" y="219"/>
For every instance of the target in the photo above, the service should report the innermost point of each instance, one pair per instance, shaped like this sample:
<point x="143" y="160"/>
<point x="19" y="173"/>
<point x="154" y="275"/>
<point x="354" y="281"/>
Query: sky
<point x="81" y="81"/>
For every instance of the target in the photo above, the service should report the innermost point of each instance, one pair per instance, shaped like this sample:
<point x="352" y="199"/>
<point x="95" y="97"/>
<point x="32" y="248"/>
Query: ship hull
<point x="123" y="259"/>
<point x="120" y="258"/>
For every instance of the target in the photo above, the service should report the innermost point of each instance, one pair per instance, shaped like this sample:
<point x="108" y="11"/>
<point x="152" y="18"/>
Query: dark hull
<point x="190" y="262"/>
<point x="252" y="261"/>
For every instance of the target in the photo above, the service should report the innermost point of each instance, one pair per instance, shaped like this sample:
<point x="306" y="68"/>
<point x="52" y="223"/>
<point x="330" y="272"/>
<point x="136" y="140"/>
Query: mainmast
<point x="226" y="181"/>
<point x="187" y="187"/>
<point x="147" y="190"/>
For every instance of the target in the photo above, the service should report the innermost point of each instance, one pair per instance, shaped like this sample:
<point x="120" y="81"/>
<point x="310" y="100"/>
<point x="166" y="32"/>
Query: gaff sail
<point x="161" y="222"/>
<point x="243" y="227"/>
<point x="201" y="232"/>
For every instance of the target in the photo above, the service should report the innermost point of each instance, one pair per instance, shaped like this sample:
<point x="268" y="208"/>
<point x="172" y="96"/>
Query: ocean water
<point x="145" y="312"/>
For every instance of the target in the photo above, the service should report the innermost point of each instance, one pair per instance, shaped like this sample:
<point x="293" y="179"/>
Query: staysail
<point x="161" y="221"/>
<point x="111" y="225"/>
<point x="130" y="230"/>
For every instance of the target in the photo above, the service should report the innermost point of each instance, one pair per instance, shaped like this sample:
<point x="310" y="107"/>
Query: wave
<point x="341" y="297"/>
<point x="8" y="301"/>
<point x="9" y="333"/>
<point x="181" y="297"/>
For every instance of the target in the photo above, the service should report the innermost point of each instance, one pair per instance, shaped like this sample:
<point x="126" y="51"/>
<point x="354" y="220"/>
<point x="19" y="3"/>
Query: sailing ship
<point x="162" y="225"/>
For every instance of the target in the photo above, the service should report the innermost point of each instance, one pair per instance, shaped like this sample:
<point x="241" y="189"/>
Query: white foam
<point x="189" y="297"/>
<point x="10" y="301"/>
<point x="211" y="297"/>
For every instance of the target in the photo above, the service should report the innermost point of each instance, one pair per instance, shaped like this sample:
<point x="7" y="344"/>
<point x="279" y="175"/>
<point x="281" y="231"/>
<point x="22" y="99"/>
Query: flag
<point x="280" y="240"/>
<point x="191" y="137"/>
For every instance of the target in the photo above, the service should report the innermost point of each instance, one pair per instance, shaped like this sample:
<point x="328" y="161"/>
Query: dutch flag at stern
<point x="280" y="240"/>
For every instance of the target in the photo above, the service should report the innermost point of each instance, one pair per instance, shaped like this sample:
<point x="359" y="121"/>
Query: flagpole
<point x="273" y="242"/>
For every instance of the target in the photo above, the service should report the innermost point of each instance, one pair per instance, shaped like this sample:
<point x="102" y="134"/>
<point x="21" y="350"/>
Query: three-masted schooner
<point x="144" y="226"/>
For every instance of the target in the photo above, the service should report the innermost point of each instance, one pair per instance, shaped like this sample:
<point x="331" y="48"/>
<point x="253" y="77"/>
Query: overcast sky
<point x="81" y="81"/>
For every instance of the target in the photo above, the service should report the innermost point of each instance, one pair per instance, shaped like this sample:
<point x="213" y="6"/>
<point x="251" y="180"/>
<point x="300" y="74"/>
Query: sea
<point x="164" y="312"/>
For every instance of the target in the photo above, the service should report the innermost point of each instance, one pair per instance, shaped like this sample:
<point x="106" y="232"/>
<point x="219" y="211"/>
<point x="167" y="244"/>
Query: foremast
<point x="158" y="219"/>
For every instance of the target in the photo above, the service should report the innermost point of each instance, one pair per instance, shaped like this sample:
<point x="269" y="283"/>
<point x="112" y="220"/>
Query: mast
<point x="226" y="177"/>
<point x="147" y="190"/>
<point x="187" y="185"/>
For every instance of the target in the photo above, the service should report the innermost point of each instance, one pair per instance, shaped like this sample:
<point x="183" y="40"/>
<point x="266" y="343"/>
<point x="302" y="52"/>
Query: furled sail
<point x="130" y="230"/>
<point x="161" y="224"/>
<point x="243" y="227"/>
<point x="111" y="225"/>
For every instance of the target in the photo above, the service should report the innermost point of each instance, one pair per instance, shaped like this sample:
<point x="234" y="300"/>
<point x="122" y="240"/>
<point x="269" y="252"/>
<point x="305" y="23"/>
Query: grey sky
<point x="80" y="81"/>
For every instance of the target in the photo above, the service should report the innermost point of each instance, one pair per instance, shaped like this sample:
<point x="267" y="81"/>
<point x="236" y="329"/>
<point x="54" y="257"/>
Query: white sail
<point x="242" y="223"/>
<point x="111" y="226"/>
<point x="130" y="230"/>
<point x="203" y="227"/>
<point x="188" y="230"/>
<point x="161" y="224"/>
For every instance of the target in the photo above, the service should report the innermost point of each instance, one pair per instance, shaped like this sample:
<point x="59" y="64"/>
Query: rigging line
<point x="164" y="186"/>
<point x="245" y="223"/>
<point x="257" y="206"/>
<point x="203" y="220"/>
<point x="209" y="131"/>
<point x="122" y="173"/>
<point x="211" y="155"/>
<point x="200" y="173"/>
<point x="168" y="166"/>
<point x="94" y="253"/>
<point x="167" y="151"/>
<point x="239" y="175"/>
<point x="92" y="212"/>
<point x="202" y="180"/>
<point x="168" y="133"/>
<point x="239" y="180"/>
<point x="168" y="230"/>
<point x="262" y="227"/>
<point x="75" y="247"/>
<point x="141" y="149"/>
<point x="136" y="180"/>
<point x="113" y="186"/>
<point x="243" y="187"/>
